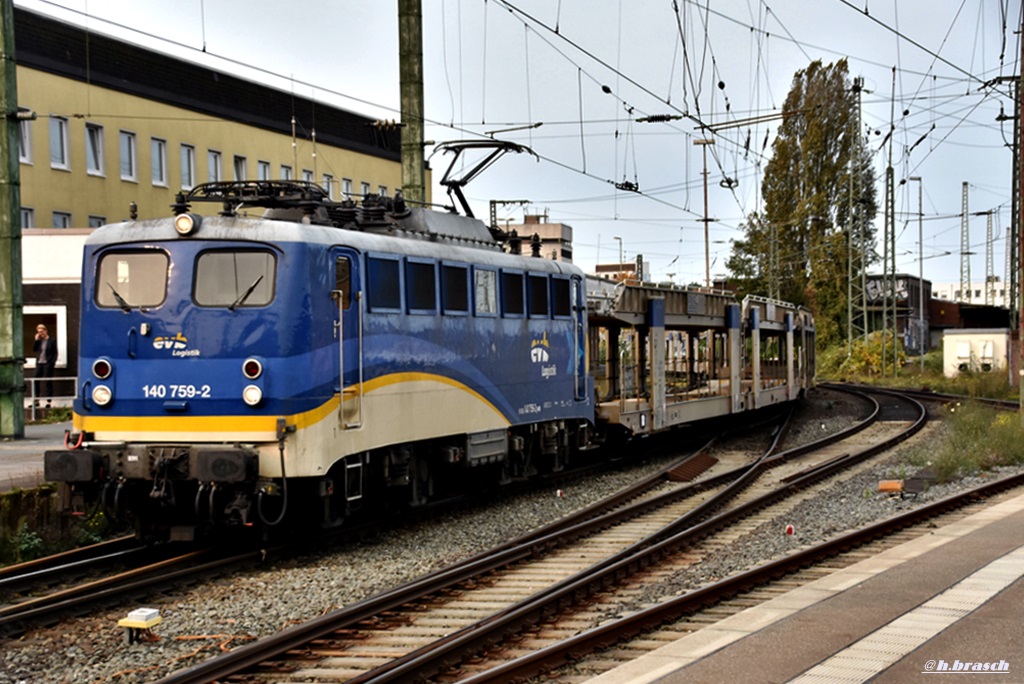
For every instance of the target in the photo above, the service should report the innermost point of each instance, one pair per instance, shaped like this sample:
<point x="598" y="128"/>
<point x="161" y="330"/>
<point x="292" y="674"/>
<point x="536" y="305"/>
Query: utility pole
<point x="860" y="214"/>
<point x="1020" y="222"/>
<point x="704" y="142"/>
<point x="1011" y="234"/>
<point x="921" y="303"/>
<point x="889" y="236"/>
<point x="12" y="374"/>
<point x="856" y="305"/>
<point x="850" y="249"/>
<point x="990" y="286"/>
<point x="889" y="290"/>
<point x="410" y="75"/>
<point x="965" y="249"/>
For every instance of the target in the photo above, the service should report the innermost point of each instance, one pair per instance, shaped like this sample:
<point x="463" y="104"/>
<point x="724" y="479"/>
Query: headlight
<point x="252" y="368"/>
<point x="251" y="395"/>
<point x="102" y="395"/>
<point x="186" y="224"/>
<point x="102" y="369"/>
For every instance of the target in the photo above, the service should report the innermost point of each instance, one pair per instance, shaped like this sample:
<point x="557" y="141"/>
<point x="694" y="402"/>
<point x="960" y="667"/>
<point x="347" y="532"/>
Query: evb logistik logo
<point x="178" y="345"/>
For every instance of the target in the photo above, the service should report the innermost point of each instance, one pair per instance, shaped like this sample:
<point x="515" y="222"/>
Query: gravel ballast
<point x="202" y="621"/>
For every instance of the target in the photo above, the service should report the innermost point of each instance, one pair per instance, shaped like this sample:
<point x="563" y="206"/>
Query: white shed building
<point x="975" y="350"/>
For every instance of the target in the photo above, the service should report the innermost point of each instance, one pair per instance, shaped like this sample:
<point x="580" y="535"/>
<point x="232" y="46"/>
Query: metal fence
<point x="63" y="388"/>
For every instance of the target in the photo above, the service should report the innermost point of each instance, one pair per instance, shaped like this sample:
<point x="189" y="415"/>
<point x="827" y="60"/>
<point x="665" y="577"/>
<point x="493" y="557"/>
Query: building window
<point x="346" y="188"/>
<point x="263" y="170"/>
<point x="365" y="188"/>
<point x="241" y="168"/>
<point x="61" y="219"/>
<point x="213" y="166"/>
<point x="97" y="221"/>
<point x="382" y="190"/>
<point x="188" y="166"/>
<point x="158" y="161"/>
<point x="24" y="140"/>
<point x="307" y="176"/>
<point x="329" y="185"/>
<point x="286" y="172"/>
<point x="94" y="149"/>
<point x="28" y="217"/>
<point x="59" y="142"/>
<point x="128" y="156"/>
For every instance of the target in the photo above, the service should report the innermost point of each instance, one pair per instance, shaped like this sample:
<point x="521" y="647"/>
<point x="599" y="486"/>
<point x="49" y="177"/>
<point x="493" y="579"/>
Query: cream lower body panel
<point x="396" y="413"/>
<point x="392" y="410"/>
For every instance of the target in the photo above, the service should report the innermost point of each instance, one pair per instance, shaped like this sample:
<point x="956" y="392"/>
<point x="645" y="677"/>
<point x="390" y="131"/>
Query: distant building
<point x="970" y="350"/>
<point x="913" y="319"/>
<point x="993" y="292"/>
<point x="624" y="272"/>
<point x="555" y="238"/>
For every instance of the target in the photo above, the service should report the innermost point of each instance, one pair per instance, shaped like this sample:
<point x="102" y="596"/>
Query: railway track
<point x="715" y="601"/>
<point x="456" y="615"/>
<point x="931" y="396"/>
<point x="75" y="583"/>
<point x="51" y="569"/>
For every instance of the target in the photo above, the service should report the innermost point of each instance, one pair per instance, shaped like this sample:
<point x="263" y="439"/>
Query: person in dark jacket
<point x="45" y="350"/>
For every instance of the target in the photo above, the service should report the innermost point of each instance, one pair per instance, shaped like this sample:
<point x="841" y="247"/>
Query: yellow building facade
<point x="120" y="148"/>
<point x="138" y="126"/>
<point x="116" y="125"/>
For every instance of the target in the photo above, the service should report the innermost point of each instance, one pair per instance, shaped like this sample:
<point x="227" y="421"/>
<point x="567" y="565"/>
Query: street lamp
<point x="704" y="142"/>
<point x="920" y="267"/>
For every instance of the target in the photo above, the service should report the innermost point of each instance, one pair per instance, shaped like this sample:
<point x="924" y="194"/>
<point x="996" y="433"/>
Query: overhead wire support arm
<point x="715" y="128"/>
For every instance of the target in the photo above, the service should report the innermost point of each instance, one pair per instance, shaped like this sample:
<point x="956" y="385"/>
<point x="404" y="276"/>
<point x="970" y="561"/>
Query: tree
<point x="797" y="247"/>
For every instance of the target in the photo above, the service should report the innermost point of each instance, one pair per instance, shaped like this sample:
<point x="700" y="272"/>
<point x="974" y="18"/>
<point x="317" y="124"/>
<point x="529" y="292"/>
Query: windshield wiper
<point x="245" y="295"/>
<point x="120" y="300"/>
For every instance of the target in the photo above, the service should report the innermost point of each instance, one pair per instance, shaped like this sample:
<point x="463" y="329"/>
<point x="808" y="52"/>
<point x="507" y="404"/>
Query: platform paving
<point x="914" y="613"/>
<point x="21" y="460"/>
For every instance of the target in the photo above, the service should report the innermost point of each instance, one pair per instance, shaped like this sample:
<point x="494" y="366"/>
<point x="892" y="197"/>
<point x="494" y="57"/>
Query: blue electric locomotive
<point x="321" y="355"/>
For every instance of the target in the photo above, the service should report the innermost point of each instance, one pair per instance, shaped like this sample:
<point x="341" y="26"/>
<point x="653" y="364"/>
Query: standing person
<point x="45" y="350"/>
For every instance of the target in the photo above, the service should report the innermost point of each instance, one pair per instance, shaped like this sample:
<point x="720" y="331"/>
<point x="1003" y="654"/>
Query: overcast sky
<point x="582" y="72"/>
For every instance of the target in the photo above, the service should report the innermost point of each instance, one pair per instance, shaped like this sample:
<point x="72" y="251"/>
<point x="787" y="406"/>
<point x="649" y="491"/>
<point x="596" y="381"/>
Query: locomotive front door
<point x="348" y="329"/>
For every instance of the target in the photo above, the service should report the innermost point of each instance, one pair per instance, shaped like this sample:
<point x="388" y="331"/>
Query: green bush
<point x="861" y="361"/>
<point x="978" y="438"/>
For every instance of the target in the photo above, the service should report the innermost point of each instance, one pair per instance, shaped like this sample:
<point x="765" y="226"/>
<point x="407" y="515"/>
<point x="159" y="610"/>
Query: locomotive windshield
<point x="132" y="279"/>
<point x="235" y="278"/>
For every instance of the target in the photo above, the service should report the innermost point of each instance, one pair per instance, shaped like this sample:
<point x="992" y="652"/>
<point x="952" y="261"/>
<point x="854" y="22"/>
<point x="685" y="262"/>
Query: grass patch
<point x="863" y="366"/>
<point x="57" y="414"/>
<point x="32" y="527"/>
<point x="977" y="438"/>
